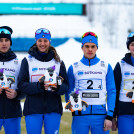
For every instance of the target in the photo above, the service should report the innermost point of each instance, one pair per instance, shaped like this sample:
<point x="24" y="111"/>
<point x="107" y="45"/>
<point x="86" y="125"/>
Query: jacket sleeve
<point x="117" y="77"/>
<point x="63" y="88"/>
<point x="111" y="92"/>
<point x="71" y="81"/>
<point x="20" y="95"/>
<point x="27" y="87"/>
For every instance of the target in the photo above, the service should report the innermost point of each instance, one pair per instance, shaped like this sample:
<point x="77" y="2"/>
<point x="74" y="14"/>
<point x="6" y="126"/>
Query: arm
<point x="71" y="82"/>
<point x="111" y="96"/>
<point x="117" y="77"/>
<point x="63" y="88"/>
<point x="111" y="93"/>
<point x="24" y="84"/>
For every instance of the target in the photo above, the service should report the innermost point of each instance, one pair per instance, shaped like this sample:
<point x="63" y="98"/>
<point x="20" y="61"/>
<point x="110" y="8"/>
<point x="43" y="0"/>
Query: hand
<point x="53" y="88"/>
<point x="107" y="124"/>
<point x="114" y="124"/>
<point x="1" y="89"/>
<point x="46" y="85"/>
<point x="10" y="93"/>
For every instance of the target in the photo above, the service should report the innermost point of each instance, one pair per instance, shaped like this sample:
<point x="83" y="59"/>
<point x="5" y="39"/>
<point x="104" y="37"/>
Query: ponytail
<point x="56" y="56"/>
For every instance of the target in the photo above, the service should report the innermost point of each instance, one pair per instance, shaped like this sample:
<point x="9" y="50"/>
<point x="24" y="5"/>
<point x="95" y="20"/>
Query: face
<point x="4" y="45"/>
<point x="131" y="48"/>
<point x="89" y="50"/>
<point x="43" y="45"/>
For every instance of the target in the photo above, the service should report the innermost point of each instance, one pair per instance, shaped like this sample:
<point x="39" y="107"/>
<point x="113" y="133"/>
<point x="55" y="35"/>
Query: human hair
<point x="56" y="56"/>
<point x="51" y="48"/>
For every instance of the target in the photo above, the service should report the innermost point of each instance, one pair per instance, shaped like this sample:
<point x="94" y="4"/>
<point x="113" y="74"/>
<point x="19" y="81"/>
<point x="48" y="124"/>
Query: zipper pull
<point x="89" y="62"/>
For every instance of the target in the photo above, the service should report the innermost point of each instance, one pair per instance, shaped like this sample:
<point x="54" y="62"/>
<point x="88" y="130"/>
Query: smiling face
<point x="4" y="45"/>
<point x="43" y="45"/>
<point x="89" y="50"/>
<point x="131" y="48"/>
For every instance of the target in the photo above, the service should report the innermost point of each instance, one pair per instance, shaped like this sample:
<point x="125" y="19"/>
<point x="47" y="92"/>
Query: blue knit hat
<point x="89" y="37"/>
<point x="5" y="32"/>
<point x="130" y="39"/>
<point x="43" y="33"/>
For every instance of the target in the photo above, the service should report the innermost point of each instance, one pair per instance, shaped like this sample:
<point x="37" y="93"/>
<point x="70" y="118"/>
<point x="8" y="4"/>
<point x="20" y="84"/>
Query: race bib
<point x="94" y="84"/>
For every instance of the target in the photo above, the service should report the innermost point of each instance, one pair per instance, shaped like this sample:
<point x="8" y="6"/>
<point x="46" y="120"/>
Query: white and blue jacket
<point x="94" y="79"/>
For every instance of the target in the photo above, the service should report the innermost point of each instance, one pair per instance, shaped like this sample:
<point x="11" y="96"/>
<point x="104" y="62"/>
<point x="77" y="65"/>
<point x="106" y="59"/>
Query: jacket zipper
<point x="89" y="63"/>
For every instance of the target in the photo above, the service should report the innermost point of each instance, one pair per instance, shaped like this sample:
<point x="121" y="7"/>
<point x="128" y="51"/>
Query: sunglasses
<point x="131" y="35"/>
<point x="89" y="33"/>
<point x="4" y="31"/>
<point x="45" y="31"/>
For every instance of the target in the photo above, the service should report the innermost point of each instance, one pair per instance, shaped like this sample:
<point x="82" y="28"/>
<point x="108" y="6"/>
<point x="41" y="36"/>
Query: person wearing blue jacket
<point x="124" y="81"/>
<point x="40" y="84"/>
<point x="94" y="80"/>
<point x="10" y="108"/>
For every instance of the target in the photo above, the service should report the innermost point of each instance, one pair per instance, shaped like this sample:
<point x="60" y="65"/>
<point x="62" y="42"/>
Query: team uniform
<point x="124" y="79"/>
<point x="94" y="79"/>
<point x="10" y="109"/>
<point x="41" y="106"/>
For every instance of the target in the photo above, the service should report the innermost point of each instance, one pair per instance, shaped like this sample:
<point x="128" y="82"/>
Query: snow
<point x="111" y="23"/>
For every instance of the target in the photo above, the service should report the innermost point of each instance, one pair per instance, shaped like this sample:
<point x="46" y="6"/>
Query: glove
<point x="129" y="94"/>
<point x="42" y="79"/>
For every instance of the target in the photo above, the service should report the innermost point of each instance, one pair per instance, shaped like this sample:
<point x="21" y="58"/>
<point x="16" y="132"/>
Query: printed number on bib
<point x="94" y="84"/>
<point x="128" y="84"/>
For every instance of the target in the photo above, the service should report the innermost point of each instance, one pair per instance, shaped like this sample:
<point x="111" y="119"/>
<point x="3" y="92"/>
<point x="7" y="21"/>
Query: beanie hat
<point x="5" y="32"/>
<point x="89" y="37"/>
<point x="130" y="39"/>
<point x="43" y="33"/>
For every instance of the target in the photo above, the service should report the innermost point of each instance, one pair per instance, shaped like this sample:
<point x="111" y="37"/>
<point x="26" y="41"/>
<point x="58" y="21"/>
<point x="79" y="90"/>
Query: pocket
<point x="99" y="109"/>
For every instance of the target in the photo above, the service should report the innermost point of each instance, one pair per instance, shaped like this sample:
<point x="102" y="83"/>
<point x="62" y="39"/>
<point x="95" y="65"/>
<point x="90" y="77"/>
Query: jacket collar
<point x="127" y="58"/>
<point x="33" y="51"/>
<point x="93" y="61"/>
<point x="7" y="56"/>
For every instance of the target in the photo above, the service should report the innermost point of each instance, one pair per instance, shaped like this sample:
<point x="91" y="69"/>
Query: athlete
<point x="39" y="78"/>
<point x="10" y="108"/>
<point x="94" y="79"/>
<point x="124" y="80"/>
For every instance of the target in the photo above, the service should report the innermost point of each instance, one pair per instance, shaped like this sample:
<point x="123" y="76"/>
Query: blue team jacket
<point x="110" y="86"/>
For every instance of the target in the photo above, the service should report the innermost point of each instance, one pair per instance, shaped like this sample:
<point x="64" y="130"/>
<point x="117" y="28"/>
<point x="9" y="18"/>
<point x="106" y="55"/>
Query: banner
<point x="41" y="8"/>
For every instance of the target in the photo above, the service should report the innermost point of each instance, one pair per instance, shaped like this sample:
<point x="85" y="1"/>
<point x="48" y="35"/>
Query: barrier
<point x="23" y="44"/>
<point x="42" y="8"/>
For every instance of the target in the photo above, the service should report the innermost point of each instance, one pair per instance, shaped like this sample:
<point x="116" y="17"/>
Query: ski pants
<point x="84" y="124"/>
<point x="11" y="125"/>
<point x="125" y="124"/>
<point x="51" y="122"/>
